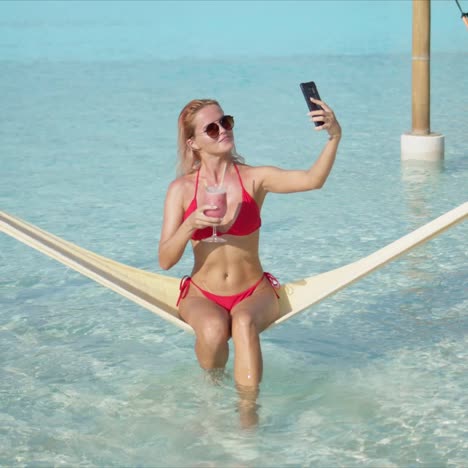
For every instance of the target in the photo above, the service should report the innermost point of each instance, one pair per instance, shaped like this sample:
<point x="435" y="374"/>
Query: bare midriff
<point x="229" y="268"/>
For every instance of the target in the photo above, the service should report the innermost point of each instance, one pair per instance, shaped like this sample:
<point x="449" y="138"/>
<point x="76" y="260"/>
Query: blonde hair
<point x="188" y="158"/>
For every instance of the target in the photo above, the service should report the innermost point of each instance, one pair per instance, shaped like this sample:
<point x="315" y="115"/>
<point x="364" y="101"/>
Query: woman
<point x="228" y="294"/>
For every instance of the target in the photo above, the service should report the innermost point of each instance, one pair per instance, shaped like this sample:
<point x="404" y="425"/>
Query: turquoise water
<point x="374" y="376"/>
<point x="137" y="29"/>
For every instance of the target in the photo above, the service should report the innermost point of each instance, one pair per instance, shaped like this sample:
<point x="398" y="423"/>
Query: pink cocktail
<point x="215" y="196"/>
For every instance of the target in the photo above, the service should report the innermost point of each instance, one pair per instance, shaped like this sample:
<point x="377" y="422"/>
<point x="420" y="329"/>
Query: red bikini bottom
<point x="227" y="302"/>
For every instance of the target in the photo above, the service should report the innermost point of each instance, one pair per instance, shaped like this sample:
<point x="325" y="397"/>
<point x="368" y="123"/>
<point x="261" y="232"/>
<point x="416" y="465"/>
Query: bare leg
<point x="211" y="324"/>
<point x="249" y="319"/>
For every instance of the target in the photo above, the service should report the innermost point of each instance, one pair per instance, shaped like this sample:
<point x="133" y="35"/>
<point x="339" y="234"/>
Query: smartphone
<point x="309" y="90"/>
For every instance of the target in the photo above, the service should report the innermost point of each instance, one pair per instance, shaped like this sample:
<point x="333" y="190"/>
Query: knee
<point x="243" y="323"/>
<point x="214" y="334"/>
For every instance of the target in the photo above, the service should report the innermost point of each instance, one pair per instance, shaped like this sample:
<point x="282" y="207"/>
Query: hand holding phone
<point x="309" y="90"/>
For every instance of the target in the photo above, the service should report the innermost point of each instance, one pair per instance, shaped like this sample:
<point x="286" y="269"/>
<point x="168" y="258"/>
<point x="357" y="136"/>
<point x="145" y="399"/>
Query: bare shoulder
<point x="182" y="187"/>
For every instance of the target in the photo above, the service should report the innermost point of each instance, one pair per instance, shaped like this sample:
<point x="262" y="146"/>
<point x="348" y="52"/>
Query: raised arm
<point x="274" y="179"/>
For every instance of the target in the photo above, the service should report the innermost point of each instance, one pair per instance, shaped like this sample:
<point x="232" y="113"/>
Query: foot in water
<point x="247" y="406"/>
<point x="217" y="376"/>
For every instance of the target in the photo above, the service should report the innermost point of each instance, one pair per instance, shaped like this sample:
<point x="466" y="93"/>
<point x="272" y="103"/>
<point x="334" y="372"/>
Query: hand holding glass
<point x="216" y="196"/>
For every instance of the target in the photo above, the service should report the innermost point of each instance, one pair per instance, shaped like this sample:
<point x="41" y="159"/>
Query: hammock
<point x="158" y="293"/>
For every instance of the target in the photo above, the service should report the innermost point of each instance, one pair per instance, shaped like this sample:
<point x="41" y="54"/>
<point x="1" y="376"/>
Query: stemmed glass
<point x="215" y="195"/>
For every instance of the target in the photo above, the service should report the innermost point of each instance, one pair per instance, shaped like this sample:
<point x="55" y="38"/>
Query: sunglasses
<point x="212" y="129"/>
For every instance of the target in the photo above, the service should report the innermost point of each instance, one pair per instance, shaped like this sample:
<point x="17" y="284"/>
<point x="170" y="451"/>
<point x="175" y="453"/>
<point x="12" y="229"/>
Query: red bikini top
<point x="247" y="221"/>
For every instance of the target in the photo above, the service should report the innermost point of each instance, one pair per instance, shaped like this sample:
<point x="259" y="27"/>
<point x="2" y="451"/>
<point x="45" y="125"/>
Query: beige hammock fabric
<point x="158" y="293"/>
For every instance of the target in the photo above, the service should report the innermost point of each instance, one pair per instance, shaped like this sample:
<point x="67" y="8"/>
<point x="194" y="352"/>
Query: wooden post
<point x="421" y="98"/>
<point x="421" y="144"/>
